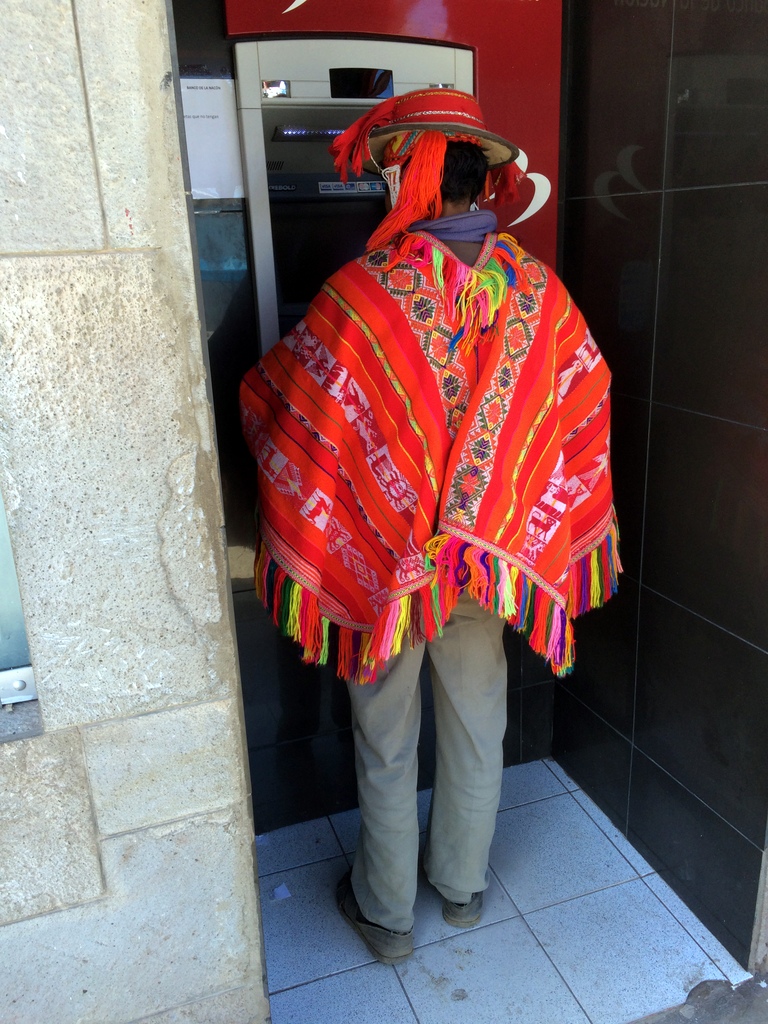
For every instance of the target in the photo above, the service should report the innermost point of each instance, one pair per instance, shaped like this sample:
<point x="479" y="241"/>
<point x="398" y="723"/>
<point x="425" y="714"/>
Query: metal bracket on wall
<point x="17" y="684"/>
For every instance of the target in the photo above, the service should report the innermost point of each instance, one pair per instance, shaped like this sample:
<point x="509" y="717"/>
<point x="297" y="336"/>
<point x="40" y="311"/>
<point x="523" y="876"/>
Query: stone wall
<point x="127" y="890"/>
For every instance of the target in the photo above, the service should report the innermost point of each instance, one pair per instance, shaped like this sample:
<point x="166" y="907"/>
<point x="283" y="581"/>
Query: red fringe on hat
<point x="351" y="147"/>
<point x="501" y="184"/>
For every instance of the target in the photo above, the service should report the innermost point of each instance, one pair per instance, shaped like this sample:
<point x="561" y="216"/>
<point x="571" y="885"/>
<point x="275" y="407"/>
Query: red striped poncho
<point x="429" y="428"/>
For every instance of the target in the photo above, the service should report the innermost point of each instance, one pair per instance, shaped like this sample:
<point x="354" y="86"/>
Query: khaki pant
<point x="469" y="683"/>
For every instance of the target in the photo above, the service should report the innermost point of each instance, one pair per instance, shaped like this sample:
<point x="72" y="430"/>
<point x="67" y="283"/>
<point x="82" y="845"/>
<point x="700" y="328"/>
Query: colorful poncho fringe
<point x="430" y="428"/>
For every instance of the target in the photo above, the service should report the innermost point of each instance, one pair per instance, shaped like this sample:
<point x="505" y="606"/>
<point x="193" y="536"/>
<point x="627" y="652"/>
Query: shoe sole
<point x="455" y="923"/>
<point x="383" y="958"/>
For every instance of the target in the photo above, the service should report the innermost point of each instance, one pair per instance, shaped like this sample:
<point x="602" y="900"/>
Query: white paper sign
<point x="213" y="145"/>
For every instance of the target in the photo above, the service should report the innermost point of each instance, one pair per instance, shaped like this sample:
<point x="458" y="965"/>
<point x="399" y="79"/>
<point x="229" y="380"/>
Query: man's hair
<point x="464" y="172"/>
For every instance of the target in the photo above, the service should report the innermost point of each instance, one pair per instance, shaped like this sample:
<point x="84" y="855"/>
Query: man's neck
<point x="452" y="207"/>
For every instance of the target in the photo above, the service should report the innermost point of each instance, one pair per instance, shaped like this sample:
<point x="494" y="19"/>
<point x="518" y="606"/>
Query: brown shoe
<point x="388" y="947"/>
<point x="463" y="915"/>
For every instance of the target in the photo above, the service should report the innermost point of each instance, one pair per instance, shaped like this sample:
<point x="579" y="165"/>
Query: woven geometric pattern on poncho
<point x="430" y="428"/>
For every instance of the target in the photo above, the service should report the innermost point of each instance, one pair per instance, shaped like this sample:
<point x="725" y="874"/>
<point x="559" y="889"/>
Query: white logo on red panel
<point x="542" y="189"/>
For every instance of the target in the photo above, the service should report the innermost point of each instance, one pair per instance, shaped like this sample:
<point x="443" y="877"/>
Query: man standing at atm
<point x="432" y="450"/>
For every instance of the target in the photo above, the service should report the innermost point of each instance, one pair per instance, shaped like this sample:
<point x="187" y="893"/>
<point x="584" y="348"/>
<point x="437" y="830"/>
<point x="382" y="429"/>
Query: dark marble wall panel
<point x="706" y="535"/>
<point x="513" y="743"/>
<point x="718" y="130"/>
<point x="689" y="433"/>
<point x="702" y="711"/>
<point x="534" y="668"/>
<point x="610" y="258"/>
<point x="711" y="866"/>
<point x="711" y="351"/>
<point x="619" y="58"/>
<point x="303" y="779"/>
<point x="606" y="651"/>
<point x="536" y="716"/>
<point x="427" y="749"/>
<point x="629" y="444"/>
<point x="513" y="649"/>
<point x="593" y="754"/>
<point x="529" y="702"/>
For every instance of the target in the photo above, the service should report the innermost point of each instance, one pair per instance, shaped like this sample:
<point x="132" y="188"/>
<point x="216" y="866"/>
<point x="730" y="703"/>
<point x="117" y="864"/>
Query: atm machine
<point x="294" y="96"/>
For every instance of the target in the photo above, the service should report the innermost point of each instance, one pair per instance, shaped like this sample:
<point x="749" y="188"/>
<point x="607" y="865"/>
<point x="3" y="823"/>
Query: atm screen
<point x="362" y="83"/>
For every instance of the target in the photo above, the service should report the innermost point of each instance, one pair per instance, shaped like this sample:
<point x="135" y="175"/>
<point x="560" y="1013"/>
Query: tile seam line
<point x="597" y="825"/>
<point x="576" y="788"/>
<point x="703" y="803"/>
<point x="344" y="853"/>
<point x="757" y="182"/>
<point x="652" y="402"/>
<point x="96" y="835"/>
<point x="137" y="250"/>
<point x="329" y="819"/>
<point x="313" y="981"/>
<point x="190" y="1002"/>
<point x="59" y="910"/>
<point x="558" y="972"/>
<point x="685" y="929"/>
<point x="592" y="892"/>
<point x="654" y="338"/>
<point x="404" y="990"/>
<point x="193" y="816"/>
<point x="635" y="746"/>
<point x="640" y="874"/>
<point x="320" y="860"/>
<point x="597" y="715"/>
<point x="458" y="934"/>
<point x="304" y="864"/>
<point x="667" y="911"/>
<point x="569" y="899"/>
<point x="522" y="917"/>
<point x="465" y="933"/>
<point x="89" y="117"/>
<point x="148" y="713"/>
<point x="348" y="853"/>
<point x="536" y="800"/>
<point x="705" y="415"/>
<point x="710" y="622"/>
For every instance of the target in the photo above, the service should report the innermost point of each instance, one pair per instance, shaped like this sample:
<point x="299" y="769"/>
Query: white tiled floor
<point x="576" y="927"/>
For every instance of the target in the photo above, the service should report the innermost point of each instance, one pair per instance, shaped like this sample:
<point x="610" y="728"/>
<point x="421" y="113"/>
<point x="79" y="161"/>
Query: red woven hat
<point x="456" y="114"/>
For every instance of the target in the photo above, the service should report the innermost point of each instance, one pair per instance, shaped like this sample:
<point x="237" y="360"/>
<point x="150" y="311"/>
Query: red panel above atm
<point x="517" y="50"/>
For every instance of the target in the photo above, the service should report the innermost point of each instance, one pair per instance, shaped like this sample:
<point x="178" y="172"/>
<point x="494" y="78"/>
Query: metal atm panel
<point x="514" y="48"/>
<point x="303" y="222"/>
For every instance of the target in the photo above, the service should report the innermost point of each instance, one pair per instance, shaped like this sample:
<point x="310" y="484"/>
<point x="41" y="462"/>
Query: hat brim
<point x="497" y="151"/>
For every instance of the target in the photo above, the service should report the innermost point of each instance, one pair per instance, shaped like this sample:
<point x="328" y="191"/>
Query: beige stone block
<point x="166" y="765"/>
<point x="133" y="114"/>
<point x="48" y="843"/>
<point x="758" y="958"/>
<point x="246" y="1005"/>
<point x="111" y="487"/>
<point x="180" y="924"/>
<point x="50" y="196"/>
